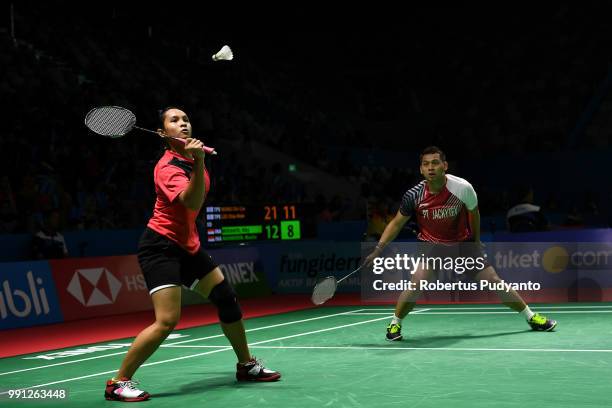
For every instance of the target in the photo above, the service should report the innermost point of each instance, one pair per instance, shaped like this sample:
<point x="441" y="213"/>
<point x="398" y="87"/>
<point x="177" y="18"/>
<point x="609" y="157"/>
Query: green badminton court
<point x="451" y="356"/>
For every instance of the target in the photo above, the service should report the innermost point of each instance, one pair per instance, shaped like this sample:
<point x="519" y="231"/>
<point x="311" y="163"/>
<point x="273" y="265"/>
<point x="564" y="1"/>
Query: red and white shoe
<point x="124" y="390"/>
<point x="254" y="370"/>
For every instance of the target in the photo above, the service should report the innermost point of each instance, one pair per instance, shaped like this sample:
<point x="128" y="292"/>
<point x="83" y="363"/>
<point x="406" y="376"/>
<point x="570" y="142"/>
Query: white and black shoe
<point x="254" y="370"/>
<point x="124" y="390"/>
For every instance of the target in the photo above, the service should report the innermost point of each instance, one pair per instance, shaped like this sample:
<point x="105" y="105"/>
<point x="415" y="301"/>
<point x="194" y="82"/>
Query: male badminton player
<point x="448" y="233"/>
<point x="170" y="256"/>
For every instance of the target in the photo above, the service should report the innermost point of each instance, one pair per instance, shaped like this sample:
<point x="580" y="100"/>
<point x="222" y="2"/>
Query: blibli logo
<point x="19" y="302"/>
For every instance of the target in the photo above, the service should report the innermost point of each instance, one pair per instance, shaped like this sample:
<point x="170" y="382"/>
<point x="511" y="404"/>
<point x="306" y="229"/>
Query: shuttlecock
<point x="224" y="54"/>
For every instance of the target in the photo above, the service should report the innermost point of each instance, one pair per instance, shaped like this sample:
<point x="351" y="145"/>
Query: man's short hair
<point x="432" y="150"/>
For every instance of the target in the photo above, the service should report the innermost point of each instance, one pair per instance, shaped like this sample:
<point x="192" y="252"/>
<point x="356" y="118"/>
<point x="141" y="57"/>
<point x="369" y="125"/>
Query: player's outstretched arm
<point x="389" y="234"/>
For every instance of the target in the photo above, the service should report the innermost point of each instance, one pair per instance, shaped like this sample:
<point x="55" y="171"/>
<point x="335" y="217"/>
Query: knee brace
<point x="224" y="298"/>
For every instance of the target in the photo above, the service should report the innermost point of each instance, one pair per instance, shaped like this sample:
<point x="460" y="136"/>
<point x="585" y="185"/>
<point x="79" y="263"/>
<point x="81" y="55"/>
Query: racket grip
<point x="207" y="149"/>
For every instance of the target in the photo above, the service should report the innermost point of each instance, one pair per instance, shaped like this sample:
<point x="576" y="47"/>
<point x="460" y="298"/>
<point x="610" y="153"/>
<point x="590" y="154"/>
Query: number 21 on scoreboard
<point x="272" y="213"/>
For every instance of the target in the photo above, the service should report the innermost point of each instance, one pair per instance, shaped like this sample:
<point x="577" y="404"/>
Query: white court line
<point x="293" y="335"/>
<point x="506" y="312"/>
<point x="502" y="307"/>
<point x="114" y="371"/>
<point x="418" y="348"/>
<point x="179" y="342"/>
<point x="359" y="313"/>
<point x="271" y="326"/>
<point x="196" y="346"/>
<point x="201" y="354"/>
<point x="470" y="313"/>
<point x="63" y="363"/>
<point x="319" y="331"/>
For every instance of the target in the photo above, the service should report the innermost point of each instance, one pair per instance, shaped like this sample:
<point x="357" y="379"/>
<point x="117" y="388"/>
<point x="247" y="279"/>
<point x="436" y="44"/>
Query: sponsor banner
<point x="27" y="295"/>
<point x="299" y="265"/>
<point x="571" y="235"/>
<point x="242" y="267"/>
<point x="539" y="271"/>
<point x="90" y="287"/>
<point x="554" y="264"/>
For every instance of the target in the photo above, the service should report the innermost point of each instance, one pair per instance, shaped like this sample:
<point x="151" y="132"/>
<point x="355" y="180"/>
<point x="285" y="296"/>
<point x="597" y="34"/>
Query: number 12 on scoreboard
<point x="288" y="230"/>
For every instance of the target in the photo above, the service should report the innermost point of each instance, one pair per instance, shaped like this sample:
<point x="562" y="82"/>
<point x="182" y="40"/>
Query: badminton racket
<point x="326" y="288"/>
<point x="115" y="122"/>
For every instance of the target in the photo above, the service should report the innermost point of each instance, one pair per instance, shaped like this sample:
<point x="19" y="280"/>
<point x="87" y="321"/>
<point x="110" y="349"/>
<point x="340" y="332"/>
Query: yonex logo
<point x="240" y="272"/>
<point x="94" y="286"/>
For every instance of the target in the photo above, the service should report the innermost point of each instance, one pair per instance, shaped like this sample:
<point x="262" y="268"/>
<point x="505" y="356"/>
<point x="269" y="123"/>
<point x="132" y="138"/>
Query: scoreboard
<point x="254" y="223"/>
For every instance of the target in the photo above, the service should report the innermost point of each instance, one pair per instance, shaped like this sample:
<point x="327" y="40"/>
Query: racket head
<point x="110" y="121"/>
<point x="324" y="290"/>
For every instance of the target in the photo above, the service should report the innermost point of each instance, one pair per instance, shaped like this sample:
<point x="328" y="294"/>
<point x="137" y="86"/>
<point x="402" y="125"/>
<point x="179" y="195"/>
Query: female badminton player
<point x="170" y="256"/>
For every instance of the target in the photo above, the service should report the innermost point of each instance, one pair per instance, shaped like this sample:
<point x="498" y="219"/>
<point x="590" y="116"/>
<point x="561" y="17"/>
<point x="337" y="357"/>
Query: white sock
<point x="527" y="313"/>
<point x="396" y="320"/>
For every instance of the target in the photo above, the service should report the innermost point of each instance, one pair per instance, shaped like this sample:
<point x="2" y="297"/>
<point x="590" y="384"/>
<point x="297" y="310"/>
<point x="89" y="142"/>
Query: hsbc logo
<point x="94" y="286"/>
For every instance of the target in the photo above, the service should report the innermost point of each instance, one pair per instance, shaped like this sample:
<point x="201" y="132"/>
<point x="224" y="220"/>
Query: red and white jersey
<point x="441" y="217"/>
<point x="171" y="218"/>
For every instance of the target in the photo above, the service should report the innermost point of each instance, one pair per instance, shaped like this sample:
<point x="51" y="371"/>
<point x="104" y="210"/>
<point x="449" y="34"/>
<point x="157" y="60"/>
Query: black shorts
<point x="164" y="263"/>
<point x="457" y="250"/>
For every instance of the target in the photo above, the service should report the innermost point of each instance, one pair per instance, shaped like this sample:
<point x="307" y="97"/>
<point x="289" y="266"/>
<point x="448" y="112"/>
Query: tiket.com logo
<point x="556" y="259"/>
<point x="94" y="286"/>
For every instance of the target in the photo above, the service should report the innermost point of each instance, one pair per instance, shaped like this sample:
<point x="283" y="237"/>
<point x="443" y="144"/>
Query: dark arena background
<point x="319" y="126"/>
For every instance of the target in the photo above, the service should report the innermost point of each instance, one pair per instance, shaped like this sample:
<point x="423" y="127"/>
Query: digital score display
<point x="255" y="223"/>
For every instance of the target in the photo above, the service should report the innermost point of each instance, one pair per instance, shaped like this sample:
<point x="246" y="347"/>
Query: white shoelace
<point x="131" y="384"/>
<point x="257" y="367"/>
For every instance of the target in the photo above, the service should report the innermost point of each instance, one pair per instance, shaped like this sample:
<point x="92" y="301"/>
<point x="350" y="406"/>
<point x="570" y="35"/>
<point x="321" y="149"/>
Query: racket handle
<point x="207" y="150"/>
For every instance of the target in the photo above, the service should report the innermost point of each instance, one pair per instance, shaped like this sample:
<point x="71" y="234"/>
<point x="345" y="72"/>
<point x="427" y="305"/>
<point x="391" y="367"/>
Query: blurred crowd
<point x="523" y="91"/>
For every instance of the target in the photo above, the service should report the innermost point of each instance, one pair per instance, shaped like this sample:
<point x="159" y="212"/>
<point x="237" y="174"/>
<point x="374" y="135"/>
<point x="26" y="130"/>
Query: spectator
<point x="8" y="210"/>
<point x="48" y="242"/>
<point x="524" y="216"/>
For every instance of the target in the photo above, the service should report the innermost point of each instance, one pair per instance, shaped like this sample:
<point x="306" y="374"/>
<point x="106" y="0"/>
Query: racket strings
<point x="110" y="121"/>
<point x="324" y="290"/>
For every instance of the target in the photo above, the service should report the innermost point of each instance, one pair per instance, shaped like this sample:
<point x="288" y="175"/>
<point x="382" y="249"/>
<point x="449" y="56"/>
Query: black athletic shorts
<point x="456" y="250"/>
<point x="164" y="263"/>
